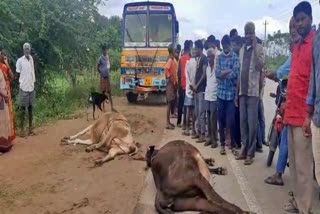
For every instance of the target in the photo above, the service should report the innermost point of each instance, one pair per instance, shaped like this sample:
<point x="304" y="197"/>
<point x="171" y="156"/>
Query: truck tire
<point x="131" y="97"/>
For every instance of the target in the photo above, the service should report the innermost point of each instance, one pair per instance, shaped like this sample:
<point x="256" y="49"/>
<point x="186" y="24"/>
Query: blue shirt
<point x="283" y="70"/>
<point x="104" y="66"/>
<point x="313" y="98"/>
<point x="227" y="86"/>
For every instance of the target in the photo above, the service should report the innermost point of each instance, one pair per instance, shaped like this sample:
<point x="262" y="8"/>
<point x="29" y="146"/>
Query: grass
<point x="61" y="100"/>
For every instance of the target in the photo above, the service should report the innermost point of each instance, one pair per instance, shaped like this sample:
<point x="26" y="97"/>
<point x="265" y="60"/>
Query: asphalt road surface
<point x="244" y="185"/>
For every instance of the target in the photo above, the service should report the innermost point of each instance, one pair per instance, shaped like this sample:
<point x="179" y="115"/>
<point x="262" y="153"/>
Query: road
<point x="40" y="176"/>
<point x="244" y="185"/>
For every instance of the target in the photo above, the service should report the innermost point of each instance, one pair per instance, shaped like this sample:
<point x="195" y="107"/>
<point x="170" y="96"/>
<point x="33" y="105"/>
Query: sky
<point x="201" y="18"/>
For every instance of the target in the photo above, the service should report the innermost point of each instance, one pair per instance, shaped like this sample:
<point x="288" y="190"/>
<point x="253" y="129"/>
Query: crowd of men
<point x="222" y="91"/>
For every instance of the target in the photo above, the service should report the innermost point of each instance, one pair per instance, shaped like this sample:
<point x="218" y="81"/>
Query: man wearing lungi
<point x="26" y="97"/>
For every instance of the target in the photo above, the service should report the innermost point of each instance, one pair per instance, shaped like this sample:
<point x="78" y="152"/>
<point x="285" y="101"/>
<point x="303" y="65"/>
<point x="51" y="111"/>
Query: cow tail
<point x="136" y="149"/>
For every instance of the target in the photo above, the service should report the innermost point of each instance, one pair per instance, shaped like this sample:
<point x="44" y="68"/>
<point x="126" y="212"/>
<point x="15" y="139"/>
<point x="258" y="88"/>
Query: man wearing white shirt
<point x="26" y="98"/>
<point x="210" y="97"/>
<point x="190" y="71"/>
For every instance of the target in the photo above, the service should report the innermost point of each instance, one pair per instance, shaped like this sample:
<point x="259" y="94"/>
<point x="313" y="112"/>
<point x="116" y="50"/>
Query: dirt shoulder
<point x="41" y="176"/>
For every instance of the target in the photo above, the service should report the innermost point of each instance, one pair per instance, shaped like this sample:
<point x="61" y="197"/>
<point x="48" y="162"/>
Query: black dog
<point x="96" y="99"/>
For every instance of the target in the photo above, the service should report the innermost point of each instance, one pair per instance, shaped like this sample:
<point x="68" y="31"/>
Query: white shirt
<point x="27" y="78"/>
<point x="191" y="68"/>
<point x="212" y="85"/>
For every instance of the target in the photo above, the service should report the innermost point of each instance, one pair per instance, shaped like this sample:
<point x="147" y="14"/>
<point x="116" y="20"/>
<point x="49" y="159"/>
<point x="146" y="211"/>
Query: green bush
<point x="274" y="63"/>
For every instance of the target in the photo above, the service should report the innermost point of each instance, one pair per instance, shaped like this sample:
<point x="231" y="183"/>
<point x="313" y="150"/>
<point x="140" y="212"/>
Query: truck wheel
<point x="131" y="97"/>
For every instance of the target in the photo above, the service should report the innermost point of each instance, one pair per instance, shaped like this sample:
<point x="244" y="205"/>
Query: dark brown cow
<point x="181" y="176"/>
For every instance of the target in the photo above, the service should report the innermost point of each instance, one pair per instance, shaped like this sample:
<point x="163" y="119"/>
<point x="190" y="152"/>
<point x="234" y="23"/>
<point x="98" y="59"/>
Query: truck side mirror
<point x="177" y="27"/>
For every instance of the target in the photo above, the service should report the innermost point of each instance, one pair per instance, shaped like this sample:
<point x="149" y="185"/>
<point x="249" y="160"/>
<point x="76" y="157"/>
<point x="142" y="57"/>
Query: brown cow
<point x="181" y="176"/>
<point x="111" y="131"/>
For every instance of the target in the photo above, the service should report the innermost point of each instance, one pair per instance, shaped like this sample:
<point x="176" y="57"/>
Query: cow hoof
<point x="223" y="171"/>
<point x="64" y="141"/>
<point x="98" y="162"/>
<point x="89" y="149"/>
<point x="210" y="161"/>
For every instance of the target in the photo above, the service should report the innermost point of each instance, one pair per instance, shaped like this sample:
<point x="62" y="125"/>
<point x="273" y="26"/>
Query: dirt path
<point x="41" y="176"/>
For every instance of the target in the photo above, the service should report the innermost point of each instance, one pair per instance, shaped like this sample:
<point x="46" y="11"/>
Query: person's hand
<point x="6" y="61"/>
<point x="269" y="75"/>
<point x="307" y="127"/>
<point x="254" y="41"/>
<point x="6" y="99"/>
<point x="226" y="73"/>
<point x="192" y="87"/>
<point x="236" y="101"/>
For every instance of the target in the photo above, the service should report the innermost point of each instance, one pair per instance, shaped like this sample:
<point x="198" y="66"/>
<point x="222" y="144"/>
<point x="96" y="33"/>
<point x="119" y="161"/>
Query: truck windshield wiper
<point x="155" y="55"/>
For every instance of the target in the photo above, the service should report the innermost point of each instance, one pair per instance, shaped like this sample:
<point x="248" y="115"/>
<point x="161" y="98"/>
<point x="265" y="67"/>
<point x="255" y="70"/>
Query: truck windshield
<point x="135" y="30"/>
<point x="160" y="30"/>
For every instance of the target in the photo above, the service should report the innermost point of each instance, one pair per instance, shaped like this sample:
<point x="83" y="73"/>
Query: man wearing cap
<point x="26" y="98"/>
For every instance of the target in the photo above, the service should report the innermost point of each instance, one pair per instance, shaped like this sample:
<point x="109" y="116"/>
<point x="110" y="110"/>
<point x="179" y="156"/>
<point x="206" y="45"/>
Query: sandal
<point x="185" y="133"/>
<point x="201" y="140"/>
<point x="235" y="152"/>
<point x="292" y="206"/>
<point x="240" y="157"/>
<point x="214" y="145"/>
<point x="272" y="180"/>
<point x="248" y="161"/>
<point x="208" y="143"/>
<point x="195" y="137"/>
<point x="170" y="127"/>
<point x="222" y="151"/>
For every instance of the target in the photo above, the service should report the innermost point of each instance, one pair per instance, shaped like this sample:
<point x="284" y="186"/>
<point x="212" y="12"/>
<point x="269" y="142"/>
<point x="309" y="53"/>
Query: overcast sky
<point x="200" y="18"/>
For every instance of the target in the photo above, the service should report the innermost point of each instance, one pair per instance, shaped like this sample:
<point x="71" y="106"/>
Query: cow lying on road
<point x="181" y="176"/>
<point x="111" y="130"/>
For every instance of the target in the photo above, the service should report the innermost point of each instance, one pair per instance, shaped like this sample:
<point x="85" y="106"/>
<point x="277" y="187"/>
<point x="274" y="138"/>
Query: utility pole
<point x="265" y="31"/>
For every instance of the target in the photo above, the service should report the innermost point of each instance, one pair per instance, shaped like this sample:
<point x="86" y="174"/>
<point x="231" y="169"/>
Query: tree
<point x="65" y="35"/>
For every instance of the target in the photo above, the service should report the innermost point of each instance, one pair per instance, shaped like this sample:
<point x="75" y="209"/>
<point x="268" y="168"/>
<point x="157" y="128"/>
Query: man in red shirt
<point x="182" y="83"/>
<point x="170" y="70"/>
<point x="300" y="145"/>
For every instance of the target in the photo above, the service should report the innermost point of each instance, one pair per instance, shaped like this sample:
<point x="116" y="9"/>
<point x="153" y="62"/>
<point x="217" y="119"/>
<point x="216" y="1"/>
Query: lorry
<point x="148" y="28"/>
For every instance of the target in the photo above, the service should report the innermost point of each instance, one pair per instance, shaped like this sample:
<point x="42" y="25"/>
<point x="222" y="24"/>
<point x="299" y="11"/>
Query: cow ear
<point x="151" y="148"/>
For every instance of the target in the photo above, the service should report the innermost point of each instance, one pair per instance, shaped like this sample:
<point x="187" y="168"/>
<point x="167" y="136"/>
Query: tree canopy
<point x="65" y="35"/>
